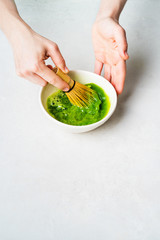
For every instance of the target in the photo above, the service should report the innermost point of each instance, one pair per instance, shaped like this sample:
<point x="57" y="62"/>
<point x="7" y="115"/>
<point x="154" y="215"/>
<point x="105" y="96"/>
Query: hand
<point x="110" y="47"/>
<point x="30" y="52"/>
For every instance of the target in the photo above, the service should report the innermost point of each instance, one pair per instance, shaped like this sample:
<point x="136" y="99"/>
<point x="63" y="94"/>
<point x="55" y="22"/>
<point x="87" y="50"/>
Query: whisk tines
<point x="78" y="94"/>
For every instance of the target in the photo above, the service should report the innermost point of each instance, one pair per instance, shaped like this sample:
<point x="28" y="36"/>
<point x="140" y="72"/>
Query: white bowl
<point x="83" y="77"/>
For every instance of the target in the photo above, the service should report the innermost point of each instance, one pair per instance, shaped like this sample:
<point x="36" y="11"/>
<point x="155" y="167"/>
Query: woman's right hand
<point x="30" y="52"/>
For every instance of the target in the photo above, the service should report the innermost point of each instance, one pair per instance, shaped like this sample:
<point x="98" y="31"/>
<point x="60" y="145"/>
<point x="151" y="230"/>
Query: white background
<point x="93" y="186"/>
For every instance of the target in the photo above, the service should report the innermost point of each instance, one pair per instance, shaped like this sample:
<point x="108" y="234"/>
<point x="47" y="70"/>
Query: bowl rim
<point x="82" y="127"/>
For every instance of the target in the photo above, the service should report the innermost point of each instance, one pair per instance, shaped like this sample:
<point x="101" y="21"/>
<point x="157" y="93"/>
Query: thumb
<point x="120" y="36"/>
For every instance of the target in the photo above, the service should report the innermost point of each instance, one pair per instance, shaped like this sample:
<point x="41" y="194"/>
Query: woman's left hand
<point x="110" y="47"/>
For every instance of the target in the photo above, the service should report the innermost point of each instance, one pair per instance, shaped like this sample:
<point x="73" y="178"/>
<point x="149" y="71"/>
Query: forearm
<point x="111" y="8"/>
<point x="10" y="21"/>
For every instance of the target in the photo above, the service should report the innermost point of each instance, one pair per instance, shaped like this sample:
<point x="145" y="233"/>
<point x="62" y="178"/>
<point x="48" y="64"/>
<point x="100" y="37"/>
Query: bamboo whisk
<point x="78" y="94"/>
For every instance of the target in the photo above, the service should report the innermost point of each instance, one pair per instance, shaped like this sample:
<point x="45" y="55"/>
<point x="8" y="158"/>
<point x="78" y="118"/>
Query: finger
<point x="98" y="67"/>
<point x="107" y="72"/>
<point x="57" y="57"/>
<point x="118" y="76"/>
<point x="121" y="40"/>
<point x="36" y="79"/>
<point x="48" y="75"/>
<point x="50" y="66"/>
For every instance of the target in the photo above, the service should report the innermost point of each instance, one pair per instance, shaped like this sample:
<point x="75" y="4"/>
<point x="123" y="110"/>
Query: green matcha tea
<point x="60" y="108"/>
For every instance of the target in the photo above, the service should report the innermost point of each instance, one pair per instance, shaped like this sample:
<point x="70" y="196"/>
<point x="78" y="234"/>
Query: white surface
<point x="99" y="185"/>
<point x="83" y="77"/>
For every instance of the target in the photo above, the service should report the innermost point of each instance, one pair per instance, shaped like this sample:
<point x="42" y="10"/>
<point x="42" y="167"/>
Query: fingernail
<point x="66" y="69"/>
<point x="126" y="54"/>
<point x="66" y="89"/>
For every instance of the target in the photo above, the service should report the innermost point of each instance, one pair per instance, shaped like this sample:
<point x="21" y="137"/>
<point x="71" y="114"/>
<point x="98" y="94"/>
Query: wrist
<point x="14" y="28"/>
<point x="110" y="9"/>
<point x="113" y="13"/>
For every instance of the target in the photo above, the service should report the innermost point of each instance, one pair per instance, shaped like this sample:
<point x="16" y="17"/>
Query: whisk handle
<point x="64" y="77"/>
